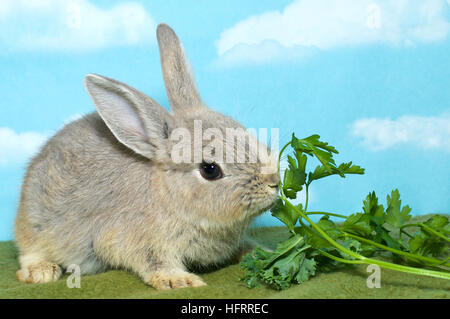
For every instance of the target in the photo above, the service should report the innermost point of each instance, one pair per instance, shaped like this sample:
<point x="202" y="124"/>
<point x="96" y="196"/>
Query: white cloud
<point x="267" y="50"/>
<point x="15" y="148"/>
<point x="75" y="25"/>
<point x="326" y="24"/>
<point x="431" y="132"/>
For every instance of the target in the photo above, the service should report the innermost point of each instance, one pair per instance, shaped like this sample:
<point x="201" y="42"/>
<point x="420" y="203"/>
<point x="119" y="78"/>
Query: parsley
<point x="326" y="245"/>
<point x="288" y="264"/>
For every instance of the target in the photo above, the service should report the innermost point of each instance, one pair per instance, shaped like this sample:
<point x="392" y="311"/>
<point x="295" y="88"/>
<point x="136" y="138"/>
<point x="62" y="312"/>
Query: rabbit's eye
<point x="210" y="171"/>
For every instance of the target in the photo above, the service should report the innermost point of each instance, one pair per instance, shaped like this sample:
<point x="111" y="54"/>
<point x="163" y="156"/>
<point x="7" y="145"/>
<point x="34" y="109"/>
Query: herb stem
<point x="428" y="229"/>
<point x="412" y="270"/>
<point x="321" y="232"/>
<point x="359" y="259"/>
<point x="435" y="233"/>
<point x="279" y="156"/>
<point x="364" y="260"/>
<point x="398" y="252"/>
<point x="342" y="260"/>
<point x="325" y="213"/>
<point x="307" y="195"/>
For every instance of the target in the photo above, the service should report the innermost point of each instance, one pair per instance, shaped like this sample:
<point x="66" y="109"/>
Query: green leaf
<point x="372" y="209"/>
<point x="350" y="244"/>
<point x="344" y="168"/>
<point x="325" y="264"/>
<point x="367" y="250"/>
<point x="371" y="206"/>
<point x="294" y="179"/>
<point x="314" y="140"/>
<point x="285" y="213"/>
<point x="330" y="228"/>
<point x="348" y="168"/>
<point x="287" y="245"/>
<point x="319" y="172"/>
<point x="307" y="268"/>
<point x="395" y="214"/>
<point x="313" y="146"/>
<point x="438" y="223"/>
<point x="287" y="270"/>
<point x="324" y="153"/>
<point x="292" y="162"/>
<point x="292" y="194"/>
<point x="377" y="216"/>
<point x="279" y="269"/>
<point x="301" y="160"/>
<point x="446" y="229"/>
<point x="383" y="237"/>
<point x="358" y="224"/>
<point x="253" y="264"/>
<point x="425" y="245"/>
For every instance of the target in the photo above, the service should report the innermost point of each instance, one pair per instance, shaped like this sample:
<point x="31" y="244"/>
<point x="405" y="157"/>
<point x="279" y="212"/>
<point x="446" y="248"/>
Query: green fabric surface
<point x="223" y="283"/>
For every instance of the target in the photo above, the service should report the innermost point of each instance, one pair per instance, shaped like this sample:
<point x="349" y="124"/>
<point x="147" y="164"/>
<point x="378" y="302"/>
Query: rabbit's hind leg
<point x="35" y="270"/>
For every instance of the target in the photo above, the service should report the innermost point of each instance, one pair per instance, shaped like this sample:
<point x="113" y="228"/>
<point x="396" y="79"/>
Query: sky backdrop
<point x="370" y="77"/>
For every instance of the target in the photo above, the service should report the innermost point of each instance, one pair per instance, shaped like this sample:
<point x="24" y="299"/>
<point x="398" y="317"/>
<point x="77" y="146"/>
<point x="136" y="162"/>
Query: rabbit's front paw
<point x="163" y="280"/>
<point x="41" y="272"/>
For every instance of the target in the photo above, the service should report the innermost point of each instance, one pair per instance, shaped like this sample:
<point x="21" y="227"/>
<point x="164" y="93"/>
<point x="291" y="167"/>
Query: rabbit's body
<point x="106" y="196"/>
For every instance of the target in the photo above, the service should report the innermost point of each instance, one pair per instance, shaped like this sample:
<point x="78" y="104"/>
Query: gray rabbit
<point x="105" y="192"/>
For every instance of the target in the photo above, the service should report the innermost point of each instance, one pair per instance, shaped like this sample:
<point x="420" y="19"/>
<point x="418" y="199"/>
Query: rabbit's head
<point x="206" y="163"/>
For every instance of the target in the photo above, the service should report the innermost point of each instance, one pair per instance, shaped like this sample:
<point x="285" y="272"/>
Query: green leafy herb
<point x="285" y="213"/>
<point x="395" y="215"/>
<point x="327" y="245"/>
<point x="279" y="269"/>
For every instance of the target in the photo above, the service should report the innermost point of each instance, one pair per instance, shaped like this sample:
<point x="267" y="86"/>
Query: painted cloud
<point x="326" y="24"/>
<point x="15" y="148"/>
<point x="76" y="25"/>
<point x="378" y="134"/>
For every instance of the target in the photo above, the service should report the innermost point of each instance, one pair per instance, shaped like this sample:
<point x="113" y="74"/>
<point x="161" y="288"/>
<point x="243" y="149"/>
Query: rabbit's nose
<point x="273" y="180"/>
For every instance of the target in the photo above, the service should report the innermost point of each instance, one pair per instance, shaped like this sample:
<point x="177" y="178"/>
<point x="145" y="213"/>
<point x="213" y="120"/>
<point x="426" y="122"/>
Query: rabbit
<point x="106" y="193"/>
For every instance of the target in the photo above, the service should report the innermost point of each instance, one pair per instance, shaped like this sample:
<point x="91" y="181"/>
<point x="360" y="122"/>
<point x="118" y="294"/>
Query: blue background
<point x="322" y="92"/>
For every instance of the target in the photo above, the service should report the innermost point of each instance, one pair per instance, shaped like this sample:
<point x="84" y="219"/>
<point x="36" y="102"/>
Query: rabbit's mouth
<point x="267" y="204"/>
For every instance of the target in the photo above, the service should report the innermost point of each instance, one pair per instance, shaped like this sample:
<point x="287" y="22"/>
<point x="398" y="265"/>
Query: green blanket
<point x="224" y="283"/>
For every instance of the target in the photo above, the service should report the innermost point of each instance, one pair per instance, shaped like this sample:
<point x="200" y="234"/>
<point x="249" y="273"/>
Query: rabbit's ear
<point x="136" y="120"/>
<point x="178" y="78"/>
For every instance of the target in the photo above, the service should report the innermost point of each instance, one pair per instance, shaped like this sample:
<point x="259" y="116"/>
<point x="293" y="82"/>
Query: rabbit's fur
<point x="104" y="192"/>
